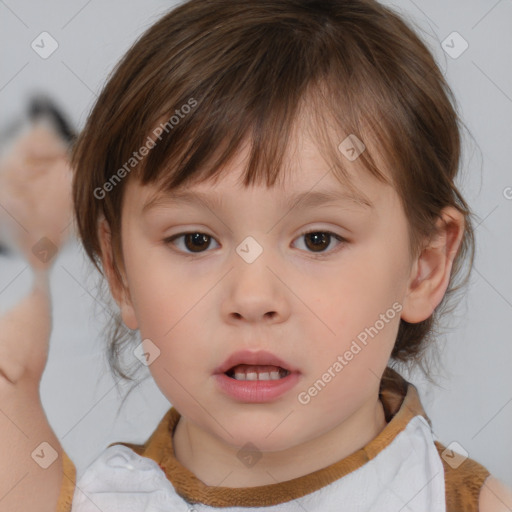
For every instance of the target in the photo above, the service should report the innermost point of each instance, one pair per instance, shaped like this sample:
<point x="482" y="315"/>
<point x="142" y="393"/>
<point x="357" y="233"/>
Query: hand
<point x="35" y="195"/>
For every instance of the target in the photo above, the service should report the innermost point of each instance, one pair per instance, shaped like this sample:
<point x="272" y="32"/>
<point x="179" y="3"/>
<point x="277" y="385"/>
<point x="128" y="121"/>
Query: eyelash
<point x="322" y="254"/>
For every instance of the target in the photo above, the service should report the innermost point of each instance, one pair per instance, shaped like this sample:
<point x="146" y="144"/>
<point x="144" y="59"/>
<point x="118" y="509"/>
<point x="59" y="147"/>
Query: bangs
<point x="196" y="149"/>
<point x="200" y="107"/>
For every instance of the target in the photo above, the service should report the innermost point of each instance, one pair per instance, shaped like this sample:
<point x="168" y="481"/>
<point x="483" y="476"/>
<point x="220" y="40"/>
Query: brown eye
<point x="197" y="241"/>
<point x="193" y="242"/>
<point x="319" y="241"/>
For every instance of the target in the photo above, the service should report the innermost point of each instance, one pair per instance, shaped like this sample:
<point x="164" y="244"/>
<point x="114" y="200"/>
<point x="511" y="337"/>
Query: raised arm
<point x="36" y="207"/>
<point x="30" y="453"/>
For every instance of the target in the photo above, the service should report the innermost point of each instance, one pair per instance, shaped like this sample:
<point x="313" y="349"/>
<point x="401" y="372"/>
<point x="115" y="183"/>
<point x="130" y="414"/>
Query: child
<point x="269" y="190"/>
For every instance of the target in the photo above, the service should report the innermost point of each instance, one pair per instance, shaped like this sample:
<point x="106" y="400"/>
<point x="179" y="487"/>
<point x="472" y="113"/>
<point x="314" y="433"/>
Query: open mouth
<point x="256" y="372"/>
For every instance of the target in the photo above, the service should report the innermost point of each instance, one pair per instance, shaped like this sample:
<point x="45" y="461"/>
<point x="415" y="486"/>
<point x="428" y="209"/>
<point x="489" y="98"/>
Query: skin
<point x="35" y="194"/>
<point x="198" y="310"/>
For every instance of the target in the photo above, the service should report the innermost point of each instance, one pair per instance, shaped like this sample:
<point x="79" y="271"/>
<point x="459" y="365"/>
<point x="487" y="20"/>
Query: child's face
<point x="310" y="309"/>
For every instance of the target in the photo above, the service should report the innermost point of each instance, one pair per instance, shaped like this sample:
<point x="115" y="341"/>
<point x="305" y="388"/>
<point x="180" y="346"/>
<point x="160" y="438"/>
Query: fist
<point x="35" y="194"/>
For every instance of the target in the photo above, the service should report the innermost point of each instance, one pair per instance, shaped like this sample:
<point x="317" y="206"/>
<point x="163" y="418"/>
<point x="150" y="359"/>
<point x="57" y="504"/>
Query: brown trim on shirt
<point x="68" y="484"/>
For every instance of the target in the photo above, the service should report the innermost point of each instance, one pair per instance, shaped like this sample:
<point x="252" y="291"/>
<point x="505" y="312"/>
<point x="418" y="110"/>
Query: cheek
<point x="360" y="301"/>
<point x="355" y="286"/>
<point x="159" y="310"/>
<point x="155" y="295"/>
<point x="168" y="290"/>
<point x="168" y="303"/>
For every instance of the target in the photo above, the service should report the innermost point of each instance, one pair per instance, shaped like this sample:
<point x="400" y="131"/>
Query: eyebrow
<point x="307" y="199"/>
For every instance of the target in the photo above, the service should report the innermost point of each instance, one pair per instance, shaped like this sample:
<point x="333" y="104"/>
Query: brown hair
<point x="246" y="70"/>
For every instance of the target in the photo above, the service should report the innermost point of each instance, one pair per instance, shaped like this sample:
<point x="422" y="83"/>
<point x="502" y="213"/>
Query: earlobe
<point x="128" y="315"/>
<point x="430" y="273"/>
<point x="119" y="290"/>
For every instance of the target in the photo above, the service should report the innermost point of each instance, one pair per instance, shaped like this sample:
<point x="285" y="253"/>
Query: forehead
<point x="305" y="179"/>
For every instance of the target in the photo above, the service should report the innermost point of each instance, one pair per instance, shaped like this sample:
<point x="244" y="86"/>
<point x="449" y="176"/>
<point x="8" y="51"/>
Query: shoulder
<point x="495" y="496"/>
<point x="470" y="487"/>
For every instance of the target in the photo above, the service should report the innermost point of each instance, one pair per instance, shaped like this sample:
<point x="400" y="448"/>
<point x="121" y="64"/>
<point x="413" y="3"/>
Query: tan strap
<point x="463" y="483"/>
<point x="67" y="489"/>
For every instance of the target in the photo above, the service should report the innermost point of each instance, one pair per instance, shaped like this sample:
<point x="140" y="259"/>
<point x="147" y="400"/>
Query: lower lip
<point x="254" y="391"/>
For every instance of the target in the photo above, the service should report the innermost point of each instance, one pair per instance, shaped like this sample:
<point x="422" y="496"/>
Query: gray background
<point x="472" y="404"/>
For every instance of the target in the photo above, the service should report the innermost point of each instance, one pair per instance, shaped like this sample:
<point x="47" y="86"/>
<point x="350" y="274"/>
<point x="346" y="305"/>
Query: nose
<point x="256" y="292"/>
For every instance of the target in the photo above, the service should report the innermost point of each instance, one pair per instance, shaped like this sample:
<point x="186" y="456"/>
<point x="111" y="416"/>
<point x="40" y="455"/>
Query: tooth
<point x="257" y="375"/>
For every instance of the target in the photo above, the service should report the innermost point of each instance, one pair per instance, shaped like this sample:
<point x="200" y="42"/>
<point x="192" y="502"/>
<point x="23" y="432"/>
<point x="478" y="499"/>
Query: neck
<point x="216" y="464"/>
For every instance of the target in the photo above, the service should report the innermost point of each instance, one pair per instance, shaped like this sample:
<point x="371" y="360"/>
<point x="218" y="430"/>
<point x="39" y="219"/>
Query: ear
<point x="118" y="289"/>
<point x="431" y="270"/>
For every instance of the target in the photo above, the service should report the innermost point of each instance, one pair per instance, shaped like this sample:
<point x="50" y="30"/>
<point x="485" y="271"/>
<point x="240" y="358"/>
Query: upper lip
<point x="260" y="357"/>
